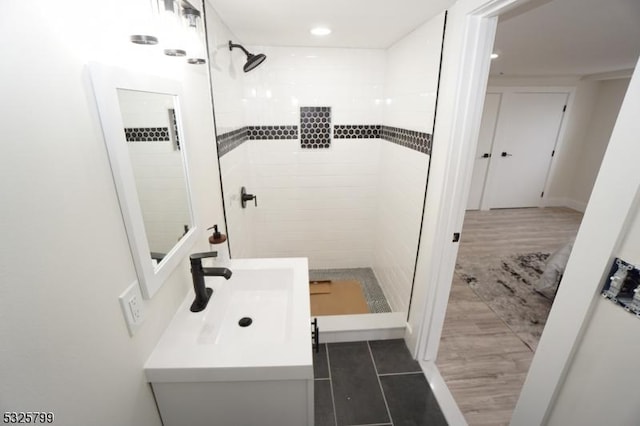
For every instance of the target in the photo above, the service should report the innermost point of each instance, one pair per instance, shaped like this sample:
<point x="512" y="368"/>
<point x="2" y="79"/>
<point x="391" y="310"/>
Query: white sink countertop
<point x="211" y="346"/>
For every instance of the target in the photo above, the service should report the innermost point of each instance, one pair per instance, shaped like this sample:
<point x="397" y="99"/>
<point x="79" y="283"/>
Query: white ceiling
<point x="543" y="37"/>
<point x="568" y="37"/>
<point x="355" y="23"/>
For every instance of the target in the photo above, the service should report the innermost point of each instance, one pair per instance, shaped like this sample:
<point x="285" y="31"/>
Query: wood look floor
<point x="482" y="361"/>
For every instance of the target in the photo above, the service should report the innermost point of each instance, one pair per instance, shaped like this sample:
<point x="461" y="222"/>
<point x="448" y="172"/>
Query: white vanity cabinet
<point x="250" y="403"/>
<point x="211" y="368"/>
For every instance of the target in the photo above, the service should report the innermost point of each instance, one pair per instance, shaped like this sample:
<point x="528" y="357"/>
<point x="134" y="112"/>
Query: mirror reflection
<point x="153" y="144"/>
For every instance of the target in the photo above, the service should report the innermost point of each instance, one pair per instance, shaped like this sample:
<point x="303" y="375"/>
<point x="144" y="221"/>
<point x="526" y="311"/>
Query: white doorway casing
<point x="470" y="33"/>
<point x="468" y="43"/>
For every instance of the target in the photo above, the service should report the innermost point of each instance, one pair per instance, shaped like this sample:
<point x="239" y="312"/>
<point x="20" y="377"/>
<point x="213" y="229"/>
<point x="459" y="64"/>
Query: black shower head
<point x="252" y="60"/>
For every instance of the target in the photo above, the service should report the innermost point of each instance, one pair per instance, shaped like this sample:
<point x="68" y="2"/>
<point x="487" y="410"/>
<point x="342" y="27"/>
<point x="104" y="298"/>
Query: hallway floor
<point x="372" y="383"/>
<point x="481" y="359"/>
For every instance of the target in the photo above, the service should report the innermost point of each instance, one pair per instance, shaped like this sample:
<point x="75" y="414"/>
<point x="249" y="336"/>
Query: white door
<point x="483" y="152"/>
<point x="526" y="135"/>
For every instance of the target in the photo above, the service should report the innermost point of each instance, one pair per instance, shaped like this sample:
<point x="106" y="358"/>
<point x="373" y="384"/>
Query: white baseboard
<point x="565" y="202"/>
<point x="576" y="205"/>
<point x="355" y="328"/>
<point x="440" y="390"/>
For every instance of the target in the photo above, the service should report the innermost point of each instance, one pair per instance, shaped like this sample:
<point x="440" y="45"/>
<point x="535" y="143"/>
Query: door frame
<point x="472" y="25"/>
<point x="558" y="145"/>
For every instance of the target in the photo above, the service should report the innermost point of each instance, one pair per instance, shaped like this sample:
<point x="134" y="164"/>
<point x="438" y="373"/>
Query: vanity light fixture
<point x="180" y="25"/>
<point x="194" y="33"/>
<point x="147" y="40"/>
<point x="320" y="31"/>
<point x="494" y="56"/>
<point x="172" y="27"/>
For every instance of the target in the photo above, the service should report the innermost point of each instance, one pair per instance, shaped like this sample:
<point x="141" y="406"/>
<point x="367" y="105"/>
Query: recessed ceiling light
<point x="494" y="55"/>
<point x="320" y="31"/>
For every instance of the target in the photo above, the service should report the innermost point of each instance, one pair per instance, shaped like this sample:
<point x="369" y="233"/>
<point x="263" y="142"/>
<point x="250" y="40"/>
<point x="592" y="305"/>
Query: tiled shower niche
<point x="315" y="127"/>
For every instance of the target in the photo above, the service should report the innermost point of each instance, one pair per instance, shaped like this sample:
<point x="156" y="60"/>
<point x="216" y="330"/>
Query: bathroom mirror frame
<point x="107" y="80"/>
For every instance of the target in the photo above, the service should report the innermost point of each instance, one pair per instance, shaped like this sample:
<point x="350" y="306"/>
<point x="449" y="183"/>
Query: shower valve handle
<point x="244" y="197"/>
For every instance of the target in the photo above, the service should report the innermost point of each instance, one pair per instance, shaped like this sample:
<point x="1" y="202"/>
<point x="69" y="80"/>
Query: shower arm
<point x="232" y="45"/>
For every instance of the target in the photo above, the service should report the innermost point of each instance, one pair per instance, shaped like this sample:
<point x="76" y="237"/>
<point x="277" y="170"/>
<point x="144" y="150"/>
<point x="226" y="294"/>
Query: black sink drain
<point x="245" y="322"/>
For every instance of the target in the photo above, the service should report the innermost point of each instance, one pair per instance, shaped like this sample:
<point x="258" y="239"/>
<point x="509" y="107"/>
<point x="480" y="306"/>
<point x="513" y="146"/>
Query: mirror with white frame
<point x="140" y="116"/>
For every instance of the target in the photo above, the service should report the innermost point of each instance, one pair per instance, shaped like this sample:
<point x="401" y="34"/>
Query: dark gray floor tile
<point x="392" y="356"/>
<point x="411" y="402"/>
<point x="356" y="390"/>
<point x="323" y="403"/>
<point x="320" y="367"/>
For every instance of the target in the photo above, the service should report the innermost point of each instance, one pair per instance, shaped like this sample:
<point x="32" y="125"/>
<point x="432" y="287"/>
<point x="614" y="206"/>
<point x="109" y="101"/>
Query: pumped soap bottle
<point x="218" y="238"/>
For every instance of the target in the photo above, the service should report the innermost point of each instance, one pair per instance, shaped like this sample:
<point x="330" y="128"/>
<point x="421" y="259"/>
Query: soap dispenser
<point x="217" y="237"/>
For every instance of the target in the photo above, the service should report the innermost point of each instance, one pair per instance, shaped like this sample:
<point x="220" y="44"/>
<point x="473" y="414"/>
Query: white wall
<point x="227" y="80"/>
<point x="601" y="382"/>
<point x="64" y="255"/>
<point x="402" y="178"/>
<point x="596" y="138"/>
<point x="235" y="172"/>
<point x="411" y="82"/>
<point x="318" y="203"/>
<point x="349" y="80"/>
<point x="571" y="146"/>
<point x="606" y="357"/>
<point x="226" y="73"/>
<point x="411" y="77"/>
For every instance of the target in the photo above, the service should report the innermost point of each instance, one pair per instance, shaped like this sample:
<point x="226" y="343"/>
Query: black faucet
<point x="203" y="294"/>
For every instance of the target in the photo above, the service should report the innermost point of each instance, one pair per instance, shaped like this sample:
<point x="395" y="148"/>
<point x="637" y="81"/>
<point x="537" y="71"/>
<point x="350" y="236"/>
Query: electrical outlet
<point x="132" y="307"/>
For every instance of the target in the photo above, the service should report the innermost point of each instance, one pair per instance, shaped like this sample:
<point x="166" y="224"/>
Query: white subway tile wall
<point x="318" y="204"/>
<point x="402" y="182"/>
<point x="412" y="66"/>
<point x="357" y="203"/>
<point x="226" y="74"/>
<point x="234" y="168"/>
<point x="410" y="88"/>
<point x="350" y="81"/>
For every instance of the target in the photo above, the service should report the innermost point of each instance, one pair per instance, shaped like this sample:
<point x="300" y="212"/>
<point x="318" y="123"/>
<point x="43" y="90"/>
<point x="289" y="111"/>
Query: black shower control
<point x="244" y="197"/>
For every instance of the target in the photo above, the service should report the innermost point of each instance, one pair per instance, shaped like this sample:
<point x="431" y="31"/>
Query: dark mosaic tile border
<point x="316" y="133"/>
<point x="356" y="131"/>
<point x="174" y="127"/>
<point x="418" y="141"/>
<point x="231" y="140"/>
<point x="147" y="134"/>
<point x="273" y="132"/>
<point x="315" y="127"/>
